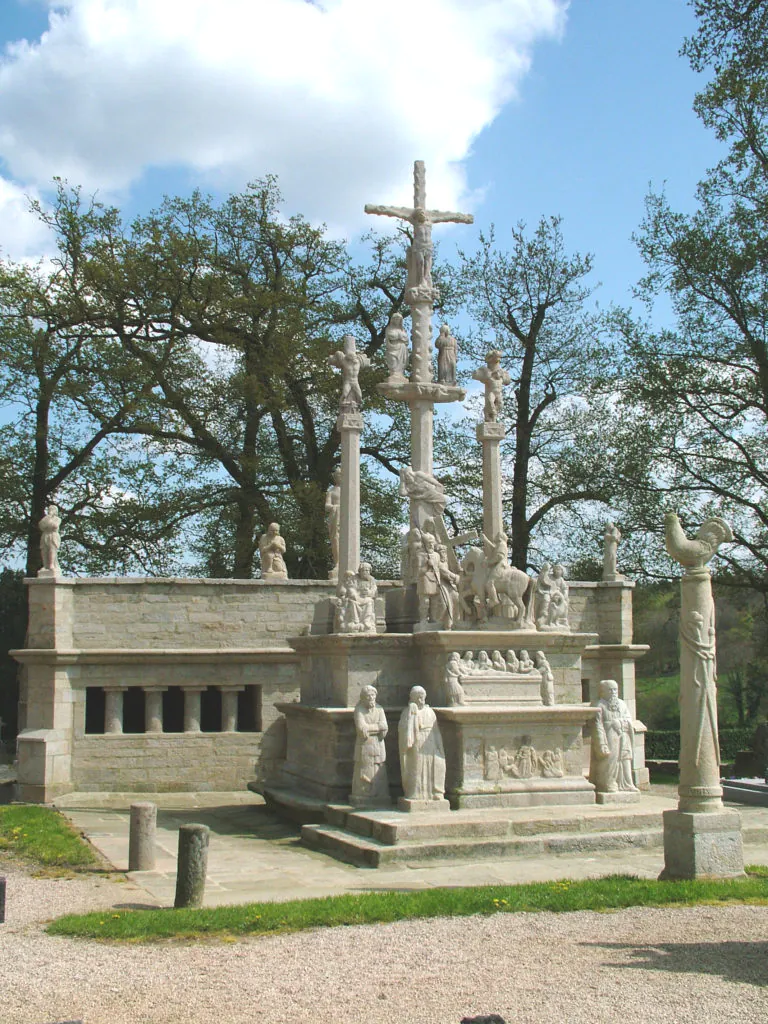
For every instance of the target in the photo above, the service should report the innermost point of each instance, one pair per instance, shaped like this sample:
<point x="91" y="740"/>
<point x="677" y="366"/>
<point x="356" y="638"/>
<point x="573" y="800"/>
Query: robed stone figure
<point x="370" y="786"/>
<point x="422" y="758"/>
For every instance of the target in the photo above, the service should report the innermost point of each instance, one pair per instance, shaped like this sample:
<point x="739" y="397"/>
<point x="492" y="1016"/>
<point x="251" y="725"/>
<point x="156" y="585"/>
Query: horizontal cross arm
<point x="390" y="211"/>
<point x="441" y="217"/>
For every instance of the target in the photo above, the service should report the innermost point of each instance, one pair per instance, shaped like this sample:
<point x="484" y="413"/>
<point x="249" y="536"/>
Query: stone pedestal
<point x="416" y="806"/>
<point x="702" y="845"/>
<point x="515" y="756"/>
<point x="622" y="797"/>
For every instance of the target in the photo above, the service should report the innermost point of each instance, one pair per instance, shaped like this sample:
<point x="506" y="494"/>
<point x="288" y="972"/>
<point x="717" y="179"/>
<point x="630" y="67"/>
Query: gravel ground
<point x="695" y="964"/>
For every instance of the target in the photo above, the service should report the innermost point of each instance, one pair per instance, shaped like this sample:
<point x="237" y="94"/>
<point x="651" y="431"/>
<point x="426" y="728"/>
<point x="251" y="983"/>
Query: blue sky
<point x="520" y="108"/>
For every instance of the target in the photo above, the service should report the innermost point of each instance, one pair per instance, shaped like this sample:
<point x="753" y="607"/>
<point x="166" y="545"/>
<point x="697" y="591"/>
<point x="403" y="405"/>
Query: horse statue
<point x="512" y="589"/>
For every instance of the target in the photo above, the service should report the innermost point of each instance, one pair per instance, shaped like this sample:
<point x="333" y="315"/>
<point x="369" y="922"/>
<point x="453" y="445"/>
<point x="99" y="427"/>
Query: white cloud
<point x="336" y="97"/>
<point x="23" y="236"/>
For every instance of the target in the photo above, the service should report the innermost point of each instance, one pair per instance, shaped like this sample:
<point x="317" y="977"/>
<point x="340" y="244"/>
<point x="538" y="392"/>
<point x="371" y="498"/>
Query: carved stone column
<point x="113" y="709"/>
<point x="229" y="707"/>
<point x="490" y="435"/>
<point x="153" y="708"/>
<point x="701" y="839"/>
<point x="350" y="426"/>
<point x="192" y="708"/>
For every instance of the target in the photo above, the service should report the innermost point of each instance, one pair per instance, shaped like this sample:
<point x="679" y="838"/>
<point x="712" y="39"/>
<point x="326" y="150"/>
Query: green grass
<point x="43" y="836"/>
<point x="612" y="893"/>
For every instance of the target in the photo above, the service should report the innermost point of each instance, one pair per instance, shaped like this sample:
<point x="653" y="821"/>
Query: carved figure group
<point x="422" y="757"/>
<point x="523" y="763"/>
<point x="551" y="599"/>
<point x="491" y="587"/>
<point x="370" y="785"/>
<point x="355" y="601"/>
<point x="612" y="742"/>
<point x="50" y="541"/>
<point x="494" y="377"/>
<point x="271" y="550"/>
<point x="495" y="663"/>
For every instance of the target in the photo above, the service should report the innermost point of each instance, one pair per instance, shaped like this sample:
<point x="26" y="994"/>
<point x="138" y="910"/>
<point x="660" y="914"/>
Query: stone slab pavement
<point x="255" y="856"/>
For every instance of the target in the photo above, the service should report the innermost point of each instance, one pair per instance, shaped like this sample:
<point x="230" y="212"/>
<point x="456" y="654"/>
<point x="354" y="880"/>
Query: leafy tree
<point x="562" y="440"/>
<point x="67" y="391"/>
<point x="703" y="386"/>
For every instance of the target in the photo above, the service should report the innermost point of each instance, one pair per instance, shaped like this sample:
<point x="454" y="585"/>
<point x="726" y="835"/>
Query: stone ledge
<point x="177" y="655"/>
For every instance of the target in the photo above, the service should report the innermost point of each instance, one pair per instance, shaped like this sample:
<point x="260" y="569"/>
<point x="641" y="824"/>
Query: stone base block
<point x="367" y="803"/>
<point x="641" y="778"/>
<point x="702" y="845"/>
<point x="623" y="797"/>
<point x="404" y="804"/>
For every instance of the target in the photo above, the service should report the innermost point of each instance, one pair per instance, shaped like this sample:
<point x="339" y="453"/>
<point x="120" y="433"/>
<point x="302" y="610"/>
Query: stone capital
<point x="349" y="421"/>
<point x="493" y="431"/>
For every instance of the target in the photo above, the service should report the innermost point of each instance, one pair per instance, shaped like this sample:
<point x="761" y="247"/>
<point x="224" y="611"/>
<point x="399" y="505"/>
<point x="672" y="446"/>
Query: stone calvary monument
<point x="466" y="685"/>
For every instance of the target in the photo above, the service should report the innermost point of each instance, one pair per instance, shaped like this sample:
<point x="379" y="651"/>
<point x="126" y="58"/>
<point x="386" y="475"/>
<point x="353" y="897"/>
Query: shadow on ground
<point x="245" y="822"/>
<point x="733" y="961"/>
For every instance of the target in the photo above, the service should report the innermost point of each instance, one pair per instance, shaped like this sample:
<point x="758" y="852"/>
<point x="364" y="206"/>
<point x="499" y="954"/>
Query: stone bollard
<point x="141" y="840"/>
<point x="2" y="901"/>
<point x="192" y="864"/>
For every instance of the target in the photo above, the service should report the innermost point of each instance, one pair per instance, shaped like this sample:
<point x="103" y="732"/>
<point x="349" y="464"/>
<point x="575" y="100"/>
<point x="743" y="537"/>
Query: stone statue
<point x="333" y="512"/>
<point x="396" y="354"/>
<point x="447" y="352"/>
<point x="50" y="542"/>
<point x="422" y="758"/>
<point x="350" y="362"/>
<point x="525" y="664"/>
<point x="272" y="549"/>
<point x="454" y="691"/>
<point x="559" y="605"/>
<point x="498" y="662"/>
<point x="526" y="762"/>
<point x="612" y="742"/>
<point x="513" y="665"/>
<point x="435" y="584"/>
<point x="551" y="762"/>
<point x="699" y="746"/>
<point x="494" y="378"/>
<point x="468" y="663"/>
<point x="484" y="663"/>
<point x="423" y="488"/>
<point x="367" y="592"/>
<point x="611" y="539"/>
<point x="547" y="678"/>
<point x="347" y="604"/>
<point x="542" y="596"/>
<point x="370" y="786"/>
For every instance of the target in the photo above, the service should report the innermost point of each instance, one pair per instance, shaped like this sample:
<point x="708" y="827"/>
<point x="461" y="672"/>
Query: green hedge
<point x="664" y="744"/>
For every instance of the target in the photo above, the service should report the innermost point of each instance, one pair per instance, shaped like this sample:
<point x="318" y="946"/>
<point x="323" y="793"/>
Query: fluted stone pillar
<point x="113" y="709"/>
<point x="153" y="708"/>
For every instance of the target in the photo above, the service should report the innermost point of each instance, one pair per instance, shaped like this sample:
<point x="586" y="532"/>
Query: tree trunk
<point x="39" y="498"/>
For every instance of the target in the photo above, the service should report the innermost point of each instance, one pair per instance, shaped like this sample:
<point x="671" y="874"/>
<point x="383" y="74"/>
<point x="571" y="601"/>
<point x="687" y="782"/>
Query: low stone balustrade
<point x="195" y="718"/>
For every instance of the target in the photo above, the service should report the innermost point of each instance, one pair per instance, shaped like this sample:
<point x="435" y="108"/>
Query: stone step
<point x="369" y="852"/>
<point x="391" y="830"/>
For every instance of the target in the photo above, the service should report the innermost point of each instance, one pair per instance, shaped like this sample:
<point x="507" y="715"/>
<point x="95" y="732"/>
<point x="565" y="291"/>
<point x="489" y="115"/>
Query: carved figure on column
<point x="547" y="678"/>
<point x="613" y="737"/>
<point x="543" y="596"/>
<point x="271" y="550"/>
<point x="50" y="542"/>
<point x="422" y="757"/>
<point x="494" y="377"/>
<point x="424" y="489"/>
<point x="370" y="785"/>
<point x="350" y="362"/>
<point x="559" y="605"/>
<point x="333" y="512"/>
<point x="611" y="539"/>
<point x="447" y="355"/>
<point x="367" y="592"/>
<point x="435" y="584"/>
<point x="396" y="355"/>
<point x="454" y="692"/>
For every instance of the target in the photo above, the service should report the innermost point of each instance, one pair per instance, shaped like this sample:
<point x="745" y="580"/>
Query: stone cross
<point x="421" y="392"/>
<point x="420" y="291"/>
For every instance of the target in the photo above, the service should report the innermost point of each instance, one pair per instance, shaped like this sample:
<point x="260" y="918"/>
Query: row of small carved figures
<point x="467" y="664"/>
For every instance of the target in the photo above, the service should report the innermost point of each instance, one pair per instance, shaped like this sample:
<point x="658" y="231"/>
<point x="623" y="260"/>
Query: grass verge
<point x="43" y="836"/>
<point x="612" y="893"/>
